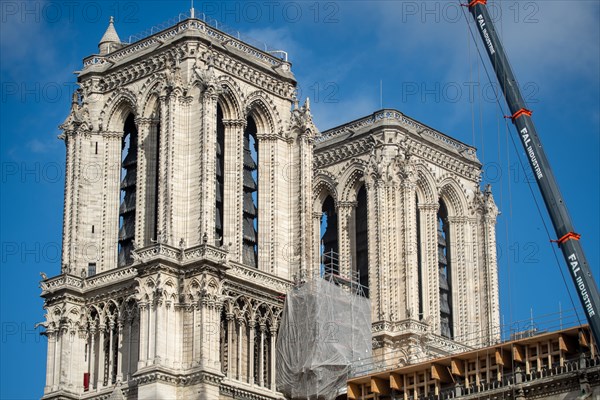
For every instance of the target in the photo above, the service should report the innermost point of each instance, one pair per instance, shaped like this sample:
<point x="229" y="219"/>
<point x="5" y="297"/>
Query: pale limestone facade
<point x="194" y="197"/>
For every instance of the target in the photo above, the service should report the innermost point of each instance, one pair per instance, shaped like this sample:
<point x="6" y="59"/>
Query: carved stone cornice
<point x="121" y="75"/>
<point x="394" y="116"/>
<point x="448" y="154"/>
<point x="260" y="278"/>
<point x="161" y="251"/>
<point x="323" y="158"/>
<point x="236" y="390"/>
<point x="158" y="373"/>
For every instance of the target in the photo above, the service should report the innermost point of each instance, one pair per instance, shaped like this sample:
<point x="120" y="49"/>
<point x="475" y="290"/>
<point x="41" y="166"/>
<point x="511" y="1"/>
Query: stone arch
<point x="95" y="316"/>
<point x="353" y="177"/>
<point x="119" y="105"/>
<point x="263" y="111"/>
<point x="128" y="307"/>
<point x="242" y="306"/>
<point x="73" y="317"/>
<point x="454" y="199"/>
<point x="325" y="185"/>
<point x="170" y="290"/>
<point x="111" y="308"/>
<point x="231" y="99"/>
<point x="212" y="286"/>
<point x="149" y="95"/>
<point x="228" y="306"/>
<point x="425" y="186"/>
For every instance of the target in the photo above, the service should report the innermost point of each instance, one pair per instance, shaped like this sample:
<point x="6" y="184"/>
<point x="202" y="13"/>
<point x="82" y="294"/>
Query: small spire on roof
<point x="110" y="41"/>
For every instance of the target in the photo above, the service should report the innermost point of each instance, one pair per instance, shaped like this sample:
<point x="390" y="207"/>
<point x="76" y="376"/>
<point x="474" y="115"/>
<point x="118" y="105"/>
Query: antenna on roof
<point x="381" y="94"/>
<point x="192" y="11"/>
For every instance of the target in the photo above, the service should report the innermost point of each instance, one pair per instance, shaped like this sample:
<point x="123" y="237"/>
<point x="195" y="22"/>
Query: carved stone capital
<point x="428" y="207"/>
<point x="234" y="123"/>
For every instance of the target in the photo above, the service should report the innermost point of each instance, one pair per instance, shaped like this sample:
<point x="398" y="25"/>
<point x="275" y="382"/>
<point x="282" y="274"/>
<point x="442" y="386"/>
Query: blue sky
<point x="427" y="63"/>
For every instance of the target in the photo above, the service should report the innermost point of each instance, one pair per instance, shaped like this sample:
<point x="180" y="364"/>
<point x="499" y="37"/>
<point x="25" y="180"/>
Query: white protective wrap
<point x="324" y="329"/>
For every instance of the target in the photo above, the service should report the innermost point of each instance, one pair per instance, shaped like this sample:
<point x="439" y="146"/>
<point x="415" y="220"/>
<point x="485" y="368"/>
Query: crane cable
<point x="522" y="167"/>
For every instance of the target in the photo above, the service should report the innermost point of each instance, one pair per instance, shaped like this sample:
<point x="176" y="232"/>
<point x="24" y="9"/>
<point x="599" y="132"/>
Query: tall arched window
<point x="128" y="190"/>
<point x="445" y="270"/>
<point x="419" y="259"/>
<point x="220" y="176"/>
<point x="250" y="212"/>
<point x="329" y="237"/>
<point x="362" y="240"/>
<point x="152" y="151"/>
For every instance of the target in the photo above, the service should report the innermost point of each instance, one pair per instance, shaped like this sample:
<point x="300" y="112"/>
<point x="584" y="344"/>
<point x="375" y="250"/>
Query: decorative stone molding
<point x="259" y="277"/>
<point x="396" y="116"/>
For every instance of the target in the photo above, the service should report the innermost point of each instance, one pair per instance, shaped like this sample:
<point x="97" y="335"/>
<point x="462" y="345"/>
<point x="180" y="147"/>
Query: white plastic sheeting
<point x="324" y="329"/>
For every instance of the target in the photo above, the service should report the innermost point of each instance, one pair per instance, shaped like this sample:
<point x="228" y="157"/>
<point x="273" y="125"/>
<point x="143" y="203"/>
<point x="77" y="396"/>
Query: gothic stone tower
<point x="410" y="221"/>
<point x="189" y="210"/>
<point x="188" y="185"/>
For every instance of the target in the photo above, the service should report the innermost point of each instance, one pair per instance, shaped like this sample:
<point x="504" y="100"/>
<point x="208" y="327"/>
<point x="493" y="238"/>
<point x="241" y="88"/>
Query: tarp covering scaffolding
<point x="324" y="329"/>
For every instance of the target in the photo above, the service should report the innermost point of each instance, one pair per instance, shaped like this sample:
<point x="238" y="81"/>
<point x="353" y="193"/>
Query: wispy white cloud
<point x="41" y="146"/>
<point x="276" y="39"/>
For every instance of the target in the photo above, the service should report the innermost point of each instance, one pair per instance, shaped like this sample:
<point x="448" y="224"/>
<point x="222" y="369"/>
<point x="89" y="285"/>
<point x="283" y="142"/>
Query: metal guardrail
<point x="505" y="333"/>
<point x="207" y="20"/>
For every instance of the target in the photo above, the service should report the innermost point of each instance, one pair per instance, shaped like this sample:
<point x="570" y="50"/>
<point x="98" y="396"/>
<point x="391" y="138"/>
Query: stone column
<point x="315" y="266"/>
<point x="143" y="335"/>
<point x="196" y="335"/>
<point x="111" y="175"/>
<point x="305" y="173"/>
<point x="71" y="363"/>
<point x="57" y="357"/>
<point x="111" y="354"/>
<point x="251" y="326"/>
<point x="141" y="220"/>
<point x="215" y="343"/>
<point x="347" y="235"/>
<point x="120" y="350"/>
<point x="159" y="332"/>
<point x="267" y="216"/>
<point x="202" y="329"/>
<point x="80" y="366"/>
<point x="177" y="337"/>
<point x="386" y="278"/>
<point x="151" y="343"/>
<point x="101" y="356"/>
<point x="490" y="278"/>
<point x="459" y="276"/>
<point x="261" y="356"/>
<point x="68" y="210"/>
<point x="165" y="160"/>
<point x="240" y="353"/>
<point x="50" y="360"/>
<point x="409" y="244"/>
<point x="230" y="328"/>
<point x="92" y="359"/>
<point x="233" y="187"/>
<point x="208" y="174"/>
<point x="146" y="180"/>
<point x="168" y="334"/>
<point x="127" y="364"/>
<point x="273" y="357"/>
<point x="429" y="263"/>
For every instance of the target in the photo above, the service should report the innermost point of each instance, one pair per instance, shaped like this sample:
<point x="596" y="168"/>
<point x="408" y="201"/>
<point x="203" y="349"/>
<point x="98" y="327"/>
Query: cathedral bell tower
<point x="188" y="175"/>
